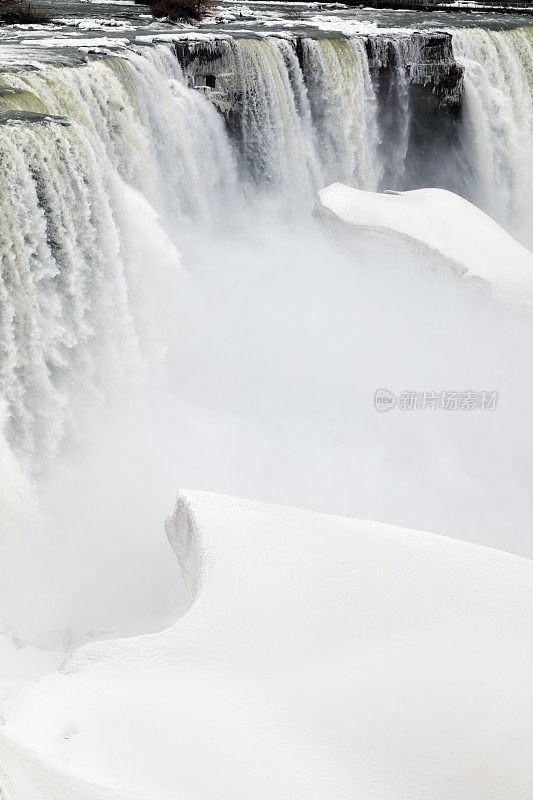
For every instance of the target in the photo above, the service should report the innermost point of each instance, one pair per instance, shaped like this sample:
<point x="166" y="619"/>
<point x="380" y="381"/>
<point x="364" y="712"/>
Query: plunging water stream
<point x="498" y="123"/>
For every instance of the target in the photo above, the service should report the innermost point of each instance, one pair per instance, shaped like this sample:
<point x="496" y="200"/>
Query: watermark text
<point x="450" y="400"/>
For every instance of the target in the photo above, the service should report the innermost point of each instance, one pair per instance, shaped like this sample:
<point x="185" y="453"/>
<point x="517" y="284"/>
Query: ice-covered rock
<point x="442" y="226"/>
<point x="322" y="657"/>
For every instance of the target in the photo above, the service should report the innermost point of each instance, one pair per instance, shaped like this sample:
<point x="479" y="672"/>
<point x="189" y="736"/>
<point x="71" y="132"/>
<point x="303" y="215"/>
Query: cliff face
<point x="210" y="68"/>
<point x="433" y="92"/>
<point x="435" y="79"/>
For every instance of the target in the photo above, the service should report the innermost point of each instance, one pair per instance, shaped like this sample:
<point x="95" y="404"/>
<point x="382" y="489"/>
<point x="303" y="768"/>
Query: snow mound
<point x="443" y="224"/>
<point x="322" y="657"/>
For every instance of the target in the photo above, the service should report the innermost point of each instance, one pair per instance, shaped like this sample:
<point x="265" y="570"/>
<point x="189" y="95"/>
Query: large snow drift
<point x="442" y="224"/>
<point x="322" y="657"/>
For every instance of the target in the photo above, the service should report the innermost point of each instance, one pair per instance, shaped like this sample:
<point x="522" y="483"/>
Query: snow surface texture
<point x="442" y="225"/>
<point x="322" y="657"/>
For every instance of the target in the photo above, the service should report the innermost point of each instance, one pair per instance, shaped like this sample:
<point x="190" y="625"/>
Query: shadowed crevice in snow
<point x="185" y="537"/>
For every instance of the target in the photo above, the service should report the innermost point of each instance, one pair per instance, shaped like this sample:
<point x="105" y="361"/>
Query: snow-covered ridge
<point x="446" y="226"/>
<point x="322" y="657"/>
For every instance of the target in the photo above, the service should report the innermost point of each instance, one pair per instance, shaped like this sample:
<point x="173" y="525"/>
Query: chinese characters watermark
<point x="467" y="400"/>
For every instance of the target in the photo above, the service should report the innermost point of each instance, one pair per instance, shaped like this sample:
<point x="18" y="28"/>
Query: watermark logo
<point x="467" y="400"/>
<point x="384" y="400"/>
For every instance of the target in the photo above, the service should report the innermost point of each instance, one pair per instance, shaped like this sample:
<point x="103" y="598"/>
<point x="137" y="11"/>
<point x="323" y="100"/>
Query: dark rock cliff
<point x="433" y="93"/>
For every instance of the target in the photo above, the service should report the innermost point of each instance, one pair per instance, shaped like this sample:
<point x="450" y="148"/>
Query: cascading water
<point x="276" y="130"/>
<point x="273" y="129"/>
<point x="78" y="202"/>
<point x="306" y="112"/>
<point x="400" y="142"/>
<point x="343" y="110"/>
<point x="301" y="122"/>
<point x="394" y="116"/>
<point x="498" y="122"/>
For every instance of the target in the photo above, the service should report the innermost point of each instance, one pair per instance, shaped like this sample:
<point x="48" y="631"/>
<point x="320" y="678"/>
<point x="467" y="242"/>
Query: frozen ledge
<point x="322" y="657"/>
<point x="443" y="227"/>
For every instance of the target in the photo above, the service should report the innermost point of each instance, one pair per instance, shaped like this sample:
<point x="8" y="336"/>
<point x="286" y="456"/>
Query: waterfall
<point x="393" y="125"/>
<point x="498" y="122"/>
<point x="269" y="113"/>
<point x="276" y="131"/>
<point x="87" y="212"/>
<point x="301" y="115"/>
<point x="108" y="161"/>
<point x="401" y="105"/>
<point x="343" y="108"/>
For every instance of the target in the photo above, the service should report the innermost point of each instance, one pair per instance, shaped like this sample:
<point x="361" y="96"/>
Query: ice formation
<point x="322" y="657"/>
<point x="442" y="226"/>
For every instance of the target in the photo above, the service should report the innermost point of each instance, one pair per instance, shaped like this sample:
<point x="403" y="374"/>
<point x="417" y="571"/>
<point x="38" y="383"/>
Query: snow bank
<point x="184" y="34"/>
<point x="322" y="657"/>
<point x="442" y="223"/>
<point x="68" y="41"/>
